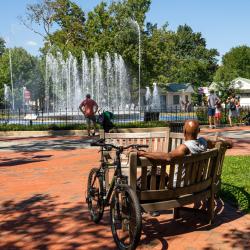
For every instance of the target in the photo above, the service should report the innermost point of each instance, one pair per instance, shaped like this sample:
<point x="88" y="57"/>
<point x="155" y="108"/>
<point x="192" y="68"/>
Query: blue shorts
<point x="211" y="111"/>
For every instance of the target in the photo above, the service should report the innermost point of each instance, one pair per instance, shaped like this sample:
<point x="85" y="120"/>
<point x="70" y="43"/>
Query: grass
<point x="236" y="181"/>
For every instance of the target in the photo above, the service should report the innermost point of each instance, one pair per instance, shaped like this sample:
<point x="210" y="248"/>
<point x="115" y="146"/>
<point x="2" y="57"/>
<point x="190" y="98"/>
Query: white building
<point x="242" y="87"/>
<point x="243" y="90"/>
<point x="172" y="95"/>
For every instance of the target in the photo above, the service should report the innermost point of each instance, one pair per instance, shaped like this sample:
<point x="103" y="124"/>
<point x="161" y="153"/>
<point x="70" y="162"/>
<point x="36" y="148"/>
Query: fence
<point x="121" y="117"/>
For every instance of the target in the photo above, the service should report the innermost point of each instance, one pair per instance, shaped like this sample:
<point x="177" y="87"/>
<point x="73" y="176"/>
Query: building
<point x="175" y="95"/>
<point x="242" y="85"/>
<point x="171" y="96"/>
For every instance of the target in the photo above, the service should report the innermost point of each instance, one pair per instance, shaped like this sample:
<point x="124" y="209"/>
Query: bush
<point x="44" y="127"/>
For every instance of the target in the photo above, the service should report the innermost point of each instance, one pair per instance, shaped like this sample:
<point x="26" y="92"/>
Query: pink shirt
<point x="89" y="105"/>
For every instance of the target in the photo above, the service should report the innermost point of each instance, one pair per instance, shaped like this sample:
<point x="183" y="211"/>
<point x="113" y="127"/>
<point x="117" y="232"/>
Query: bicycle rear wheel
<point x="125" y="215"/>
<point x="95" y="195"/>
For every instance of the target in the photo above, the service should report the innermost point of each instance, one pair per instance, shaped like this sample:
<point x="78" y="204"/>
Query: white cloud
<point x="31" y="43"/>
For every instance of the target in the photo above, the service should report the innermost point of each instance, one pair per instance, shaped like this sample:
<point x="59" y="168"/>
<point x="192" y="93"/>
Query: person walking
<point x="212" y="100"/>
<point x="89" y="107"/>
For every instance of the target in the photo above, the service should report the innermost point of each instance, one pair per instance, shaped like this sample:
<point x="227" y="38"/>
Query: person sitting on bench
<point x="191" y="145"/>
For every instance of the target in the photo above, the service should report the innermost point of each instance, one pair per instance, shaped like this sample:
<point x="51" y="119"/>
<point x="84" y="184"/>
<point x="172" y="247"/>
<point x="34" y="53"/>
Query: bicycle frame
<point x="117" y="177"/>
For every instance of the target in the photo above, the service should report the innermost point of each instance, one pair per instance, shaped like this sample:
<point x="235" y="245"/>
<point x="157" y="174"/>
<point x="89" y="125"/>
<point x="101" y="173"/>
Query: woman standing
<point x="231" y="101"/>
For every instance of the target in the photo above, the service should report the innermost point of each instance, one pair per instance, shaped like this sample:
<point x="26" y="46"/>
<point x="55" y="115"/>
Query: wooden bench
<point x="157" y="141"/>
<point x="191" y="179"/>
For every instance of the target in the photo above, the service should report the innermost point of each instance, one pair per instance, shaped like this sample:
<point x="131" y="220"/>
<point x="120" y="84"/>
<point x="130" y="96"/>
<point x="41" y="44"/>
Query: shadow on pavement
<point x="8" y="162"/>
<point x="48" y="144"/>
<point x="41" y="222"/>
<point x="157" y="230"/>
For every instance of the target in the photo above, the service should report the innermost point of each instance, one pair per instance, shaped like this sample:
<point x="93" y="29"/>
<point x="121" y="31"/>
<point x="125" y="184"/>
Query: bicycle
<point x="125" y="211"/>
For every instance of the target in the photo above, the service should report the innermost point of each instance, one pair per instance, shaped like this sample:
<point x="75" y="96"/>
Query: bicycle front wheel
<point x="95" y="195"/>
<point x="125" y="215"/>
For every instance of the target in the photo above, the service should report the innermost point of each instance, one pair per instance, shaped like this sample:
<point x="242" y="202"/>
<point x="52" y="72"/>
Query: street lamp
<point x="139" y="59"/>
<point x="11" y="80"/>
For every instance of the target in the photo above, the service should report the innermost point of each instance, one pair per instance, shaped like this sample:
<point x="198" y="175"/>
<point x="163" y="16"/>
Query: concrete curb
<point x="20" y="134"/>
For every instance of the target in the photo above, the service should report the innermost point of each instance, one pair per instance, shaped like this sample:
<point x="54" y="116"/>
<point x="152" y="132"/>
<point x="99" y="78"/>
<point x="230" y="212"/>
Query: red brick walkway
<point x="42" y="207"/>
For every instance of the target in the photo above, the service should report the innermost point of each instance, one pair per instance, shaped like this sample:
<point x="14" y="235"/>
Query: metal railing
<point x="121" y="116"/>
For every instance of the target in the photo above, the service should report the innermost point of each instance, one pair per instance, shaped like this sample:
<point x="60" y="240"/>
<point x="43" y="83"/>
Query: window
<point x="163" y="101"/>
<point x="176" y="99"/>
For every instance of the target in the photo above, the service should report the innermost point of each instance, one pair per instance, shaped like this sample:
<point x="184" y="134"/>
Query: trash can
<point x="176" y="127"/>
<point x="151" y="116"/>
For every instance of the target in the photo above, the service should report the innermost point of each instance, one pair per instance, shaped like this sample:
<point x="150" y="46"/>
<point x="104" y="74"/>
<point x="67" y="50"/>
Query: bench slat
<point x="165" y="194"/>
<point x="179" y="202"/>
<point x="162" y="177"/>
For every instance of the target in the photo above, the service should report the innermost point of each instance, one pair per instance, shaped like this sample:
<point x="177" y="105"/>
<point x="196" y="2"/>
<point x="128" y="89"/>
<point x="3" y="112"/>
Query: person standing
<point x="218" y="113"/>
<point x="238" y="109"/>
<point x="89" y="107"/>
<point x="232" y="102"/>
<point x="212" y="100"/>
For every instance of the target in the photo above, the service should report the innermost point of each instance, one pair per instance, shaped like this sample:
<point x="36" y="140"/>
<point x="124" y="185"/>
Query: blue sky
<point x="223" y="23"/>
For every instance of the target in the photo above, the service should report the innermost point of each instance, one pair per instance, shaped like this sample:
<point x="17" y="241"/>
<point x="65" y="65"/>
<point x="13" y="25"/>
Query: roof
<point x="242" y="83"/>
<point x="179" y="87"/>
<point x="239" y="83"/>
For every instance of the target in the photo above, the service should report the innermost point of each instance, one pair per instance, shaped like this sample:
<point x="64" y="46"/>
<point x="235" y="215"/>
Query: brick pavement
<point x="42" y="205"/>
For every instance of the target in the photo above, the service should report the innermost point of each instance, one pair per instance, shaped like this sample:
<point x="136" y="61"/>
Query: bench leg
<point x="176" y="213"/>
<point x="211" y="210"/>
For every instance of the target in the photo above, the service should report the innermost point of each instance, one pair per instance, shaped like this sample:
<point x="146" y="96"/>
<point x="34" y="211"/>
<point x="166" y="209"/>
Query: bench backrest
<point x="192" y="174"/>
<point x="175" y="139"/>
<point x="157" y="141"/>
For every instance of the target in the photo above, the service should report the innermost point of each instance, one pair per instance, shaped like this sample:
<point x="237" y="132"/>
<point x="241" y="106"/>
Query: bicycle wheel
<point x="94" y="195"/>
<point x="125" y="215"/>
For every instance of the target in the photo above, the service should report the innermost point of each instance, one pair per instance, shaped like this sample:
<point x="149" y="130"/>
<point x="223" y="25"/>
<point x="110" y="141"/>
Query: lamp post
<point x="11" y="80"/>
<point x="139" y="59"/>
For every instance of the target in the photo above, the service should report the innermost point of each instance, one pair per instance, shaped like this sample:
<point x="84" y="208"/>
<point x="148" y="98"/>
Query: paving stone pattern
<point x="42" y="203"/>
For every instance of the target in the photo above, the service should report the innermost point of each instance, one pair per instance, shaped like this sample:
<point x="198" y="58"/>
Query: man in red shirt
<point x="89" y="107"/>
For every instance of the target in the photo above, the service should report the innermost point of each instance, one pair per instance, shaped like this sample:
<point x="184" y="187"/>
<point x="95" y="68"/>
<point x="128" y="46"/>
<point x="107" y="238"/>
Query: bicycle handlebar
<point x="101" y="143"/>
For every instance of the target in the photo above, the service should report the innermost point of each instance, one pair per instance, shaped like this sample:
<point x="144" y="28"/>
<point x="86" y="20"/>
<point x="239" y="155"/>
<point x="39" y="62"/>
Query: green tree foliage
<point x="167" y="56"/>
<point x="179" y="56"/>
<point x="26" y="73"/>
<point x="2" y="46"/>
<point x="235" y="63"/>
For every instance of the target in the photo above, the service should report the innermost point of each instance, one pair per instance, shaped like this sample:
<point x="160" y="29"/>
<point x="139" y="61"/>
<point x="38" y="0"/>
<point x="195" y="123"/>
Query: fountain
<point x="67" y="83"/>
<point x="7" y="95"/>
<point x="156" y="102"/>
<point x="148" y="97"/>
<point x="153" y="104"/>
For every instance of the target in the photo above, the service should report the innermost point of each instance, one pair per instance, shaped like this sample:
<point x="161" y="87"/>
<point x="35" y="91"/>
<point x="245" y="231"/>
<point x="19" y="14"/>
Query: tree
<point x="26" y="73"/>
<point x="2" y="46"/>
<point x="179" y="56"/>
<point x="235" y="63"/>
<point x="40" y="14"/>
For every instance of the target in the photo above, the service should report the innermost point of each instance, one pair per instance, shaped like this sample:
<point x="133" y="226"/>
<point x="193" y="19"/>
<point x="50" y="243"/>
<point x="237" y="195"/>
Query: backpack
<point x="105" y="120"/>
<point x="232" y="106"/>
